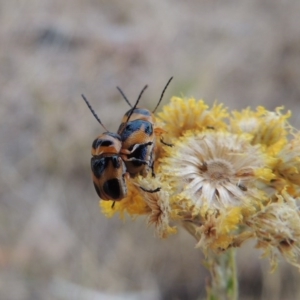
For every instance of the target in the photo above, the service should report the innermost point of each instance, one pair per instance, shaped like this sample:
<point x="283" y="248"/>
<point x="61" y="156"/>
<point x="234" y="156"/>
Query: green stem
<point x="223" y="284"/>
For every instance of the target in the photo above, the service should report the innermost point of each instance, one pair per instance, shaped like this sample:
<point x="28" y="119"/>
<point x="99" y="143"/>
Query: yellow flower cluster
<point x="228" y="177"/>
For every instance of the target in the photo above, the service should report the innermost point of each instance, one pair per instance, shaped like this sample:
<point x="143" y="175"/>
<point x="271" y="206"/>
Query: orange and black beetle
<point x="138" y="137"/>
<point x="108" y="169"/>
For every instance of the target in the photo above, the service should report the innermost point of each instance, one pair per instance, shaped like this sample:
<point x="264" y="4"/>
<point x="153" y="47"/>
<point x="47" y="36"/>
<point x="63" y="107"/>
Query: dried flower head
<point x="215" y="168"/>
<point x="160" y="208"/>
<point x="277" y="227"/>
<point x="289" y="161"/>
<point x="226" y="179"/>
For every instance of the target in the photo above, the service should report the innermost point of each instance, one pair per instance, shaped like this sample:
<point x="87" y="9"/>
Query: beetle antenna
<point x="93" y="112"/>
<point x="162" y="94"/>
<point x="137" y="102"/>
<point x="125" y="98"/>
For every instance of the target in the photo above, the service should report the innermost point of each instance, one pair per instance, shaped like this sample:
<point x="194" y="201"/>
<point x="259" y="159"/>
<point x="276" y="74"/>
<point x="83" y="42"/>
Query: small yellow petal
<point x="188" y="114"/>
<point x="267" y="128"/>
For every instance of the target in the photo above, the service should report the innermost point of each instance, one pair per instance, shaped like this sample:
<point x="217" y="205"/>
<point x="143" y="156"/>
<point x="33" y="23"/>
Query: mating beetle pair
<point x="118" y="156"/>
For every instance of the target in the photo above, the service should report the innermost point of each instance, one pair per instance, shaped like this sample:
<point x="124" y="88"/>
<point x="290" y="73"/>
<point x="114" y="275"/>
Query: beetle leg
<point x="152" y="169"/>
<point x="150" y="191"/>
<point x="163" y="142"/>
<point x="151" y="166"/>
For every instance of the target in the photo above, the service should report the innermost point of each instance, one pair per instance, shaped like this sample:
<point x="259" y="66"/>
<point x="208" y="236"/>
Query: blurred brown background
<point x="54" y="243"/>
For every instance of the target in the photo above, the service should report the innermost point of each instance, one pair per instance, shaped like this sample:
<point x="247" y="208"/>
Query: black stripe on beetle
<point x="115" y="162"/>
<point x="99" y="142"/>
<point x="140" y="151"/>
<point x="134" y="126"/>
<point x="98" y="166"/>
<point x="112" y="188"/>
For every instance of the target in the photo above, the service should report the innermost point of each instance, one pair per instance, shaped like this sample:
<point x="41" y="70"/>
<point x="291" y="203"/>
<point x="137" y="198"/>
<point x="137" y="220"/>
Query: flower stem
<point x="223" y="284"/>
